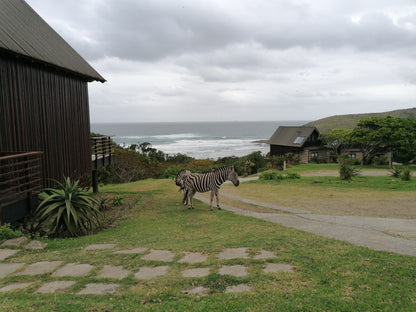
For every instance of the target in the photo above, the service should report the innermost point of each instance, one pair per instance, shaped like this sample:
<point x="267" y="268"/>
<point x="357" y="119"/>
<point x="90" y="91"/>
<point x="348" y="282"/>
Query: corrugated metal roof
<point x="291" y="136"/>
<point x="24" y="32"/>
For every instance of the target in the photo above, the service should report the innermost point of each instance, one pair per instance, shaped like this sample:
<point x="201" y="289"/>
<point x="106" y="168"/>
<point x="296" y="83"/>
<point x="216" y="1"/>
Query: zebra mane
<point x="231" y="168"/>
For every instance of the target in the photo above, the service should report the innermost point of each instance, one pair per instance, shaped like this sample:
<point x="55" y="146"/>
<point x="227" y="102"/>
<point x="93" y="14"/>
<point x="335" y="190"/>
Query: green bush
<point x="292" y="175"/>
<point x="67" y="211"/>
<point x="7" y="233"/>
<point x="406" y="174"/>
<point x="396" y="171"/>
<point x="271" y="175"/>
<point x="346" y="168"/>
<point x="278" y="176"/>
<point x="380" y="160"/>
<point x="277" y="162"/>
<point x="118" y="200"/>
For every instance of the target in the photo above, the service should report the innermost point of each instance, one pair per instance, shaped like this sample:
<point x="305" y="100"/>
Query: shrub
<point x="118" y="200"/>
<point x="380" y="160"/>
<point x="67" y="211"/>
<point x="7" y="233"/>
<point x="406" y="174"/>
<point x="277" y="162"/>
<point x="346" y="168"/>
<point x="292" y="175"/>
<point x="396" y="171"/>
<point x="271" y="175"/>
<point x="277" y="176"/>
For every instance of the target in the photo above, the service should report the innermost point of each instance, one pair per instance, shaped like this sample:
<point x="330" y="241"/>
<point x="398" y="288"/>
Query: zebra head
<point x="181" y="177"/>
<point x="233" y="177"/>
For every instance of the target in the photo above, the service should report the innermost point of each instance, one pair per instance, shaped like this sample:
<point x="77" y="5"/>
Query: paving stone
<point x="116" y="272"/>
<point x="238" y="288"/>
<point x="15" y="286"/>
<point x="132" y="251"/>
<point x="198" y="272"/>
<point x="199" y="290"/>
<point x="277" y="267"/>
<point x="159" y="255"/>
<point x="53" y="287"/>
<point x="147" y="273"/>
<point x="265" y="254"/>
<point x="15" y="242"/>
<point x="98" y="289"/>
<point x="40" y="268"/>
<point x="233" y="253"/>
<point x="36" y="245"/>
<point x="5" y="253"/>
<point x="100" y="246"/>
<point x="193" y="257"/>
<point x="8" y="268"/>
<point x="234" y="270"/>
<point x="73" y="269"/>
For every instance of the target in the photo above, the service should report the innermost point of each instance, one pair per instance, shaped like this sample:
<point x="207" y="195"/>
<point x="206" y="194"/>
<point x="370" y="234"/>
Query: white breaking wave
<point x="160" y="136"/>
<point x="202" y="149"/>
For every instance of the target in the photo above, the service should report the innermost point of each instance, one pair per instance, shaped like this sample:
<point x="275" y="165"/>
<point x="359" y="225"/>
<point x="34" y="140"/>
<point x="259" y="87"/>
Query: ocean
<point x="200" y="140"/>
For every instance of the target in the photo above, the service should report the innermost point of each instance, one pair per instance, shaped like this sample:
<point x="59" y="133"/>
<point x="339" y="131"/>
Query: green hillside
<point x="350" y="121"/>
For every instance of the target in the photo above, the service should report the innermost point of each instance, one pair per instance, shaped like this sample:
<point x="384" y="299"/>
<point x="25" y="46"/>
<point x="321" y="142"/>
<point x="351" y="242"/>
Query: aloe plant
<point x="68" y="210"/>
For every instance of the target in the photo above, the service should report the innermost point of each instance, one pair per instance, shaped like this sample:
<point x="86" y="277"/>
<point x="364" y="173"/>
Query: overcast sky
<point x="238" y="60"/>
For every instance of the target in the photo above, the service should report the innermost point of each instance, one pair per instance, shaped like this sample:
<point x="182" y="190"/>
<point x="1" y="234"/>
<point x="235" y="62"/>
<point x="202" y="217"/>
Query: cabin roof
<point x="291" y="136"/>
<point x="24" y="33"/>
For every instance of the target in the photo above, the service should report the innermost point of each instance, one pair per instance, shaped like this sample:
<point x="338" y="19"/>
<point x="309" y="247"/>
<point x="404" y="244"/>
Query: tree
<point x="336" y="140"/>
<point x="378" y="135"/>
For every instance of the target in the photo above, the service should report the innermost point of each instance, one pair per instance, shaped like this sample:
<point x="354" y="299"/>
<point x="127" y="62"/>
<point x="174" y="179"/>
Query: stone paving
<point x="60" y="269"/>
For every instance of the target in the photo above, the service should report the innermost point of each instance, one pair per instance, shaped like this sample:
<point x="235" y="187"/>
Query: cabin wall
<point x="45" y="110"/>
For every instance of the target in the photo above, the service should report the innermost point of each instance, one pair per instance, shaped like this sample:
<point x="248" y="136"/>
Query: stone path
<point x="59" y="269"/>
<point x="387" y="234"/>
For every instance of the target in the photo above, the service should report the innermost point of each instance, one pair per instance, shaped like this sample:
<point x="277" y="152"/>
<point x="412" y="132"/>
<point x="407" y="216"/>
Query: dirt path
<point x="387" y="234"/>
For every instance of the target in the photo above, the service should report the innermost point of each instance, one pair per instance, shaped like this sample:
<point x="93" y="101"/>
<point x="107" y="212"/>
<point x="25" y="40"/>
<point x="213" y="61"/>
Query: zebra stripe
<point x="180" y="178"/>
<point x="205" y="182"/>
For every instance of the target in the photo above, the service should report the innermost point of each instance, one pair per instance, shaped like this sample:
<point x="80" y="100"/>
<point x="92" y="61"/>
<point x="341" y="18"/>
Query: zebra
<point x="204" y="182"/>
<point x="180" y="179"/>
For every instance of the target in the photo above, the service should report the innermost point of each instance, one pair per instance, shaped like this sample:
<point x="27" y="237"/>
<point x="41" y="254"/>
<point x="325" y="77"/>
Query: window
<point x="353" y="155"/>
<point x="314" y="155"/>
<point x="299" y="140"/>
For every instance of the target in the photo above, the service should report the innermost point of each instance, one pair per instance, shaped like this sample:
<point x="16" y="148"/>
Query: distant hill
<point x="350" y="121"/>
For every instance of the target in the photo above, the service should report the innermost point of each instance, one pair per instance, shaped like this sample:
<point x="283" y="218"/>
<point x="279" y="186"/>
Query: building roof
<point x="23" y="32"/>
<point x="291" y="136"/>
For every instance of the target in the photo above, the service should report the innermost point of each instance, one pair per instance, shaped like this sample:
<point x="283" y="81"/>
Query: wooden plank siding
<point x="43" y="109"/>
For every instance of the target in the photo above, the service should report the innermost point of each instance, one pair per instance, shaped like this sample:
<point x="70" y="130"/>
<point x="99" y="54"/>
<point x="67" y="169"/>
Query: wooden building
<point x="44" y="109"/>
<point x="302" y="141"/>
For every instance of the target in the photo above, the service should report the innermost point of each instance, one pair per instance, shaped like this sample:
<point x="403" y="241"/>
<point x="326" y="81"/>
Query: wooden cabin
<point x="302" y="141"/>
<point x="44" y="110"/>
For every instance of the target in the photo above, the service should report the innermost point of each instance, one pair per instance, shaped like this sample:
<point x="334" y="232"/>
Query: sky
<point x="241" y="60"/>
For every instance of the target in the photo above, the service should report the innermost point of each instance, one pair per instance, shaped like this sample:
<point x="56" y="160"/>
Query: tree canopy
<point x="376" y="135"/>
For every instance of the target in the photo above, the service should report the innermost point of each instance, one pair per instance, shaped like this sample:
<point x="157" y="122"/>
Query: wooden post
<point x="95" y="181"/>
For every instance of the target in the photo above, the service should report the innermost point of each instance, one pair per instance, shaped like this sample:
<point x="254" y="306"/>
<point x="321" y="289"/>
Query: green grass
<point x="330" y="275"/>
<point x="359" y="182"/>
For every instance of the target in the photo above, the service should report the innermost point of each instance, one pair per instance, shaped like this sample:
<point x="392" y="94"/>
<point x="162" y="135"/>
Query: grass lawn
<point x="329" y="275"/>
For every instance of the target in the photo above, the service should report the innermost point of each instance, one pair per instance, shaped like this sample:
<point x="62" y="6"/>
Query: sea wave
<point x="159" y="136"/>
<point x="212" y="148"/>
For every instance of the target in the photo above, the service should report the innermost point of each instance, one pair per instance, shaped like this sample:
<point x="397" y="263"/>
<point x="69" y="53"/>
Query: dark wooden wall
<point x="42" y="109"/>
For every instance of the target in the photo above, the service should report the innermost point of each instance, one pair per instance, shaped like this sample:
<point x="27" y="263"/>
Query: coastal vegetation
<point x="375" y="138"/>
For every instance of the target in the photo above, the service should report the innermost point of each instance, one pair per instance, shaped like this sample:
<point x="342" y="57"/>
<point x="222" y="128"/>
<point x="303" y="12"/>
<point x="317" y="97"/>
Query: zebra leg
<point x="212" y="198"/>
<point x="190" y="199"/>
<point x="185" y="196"/>
<point x="218" y="199"/>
